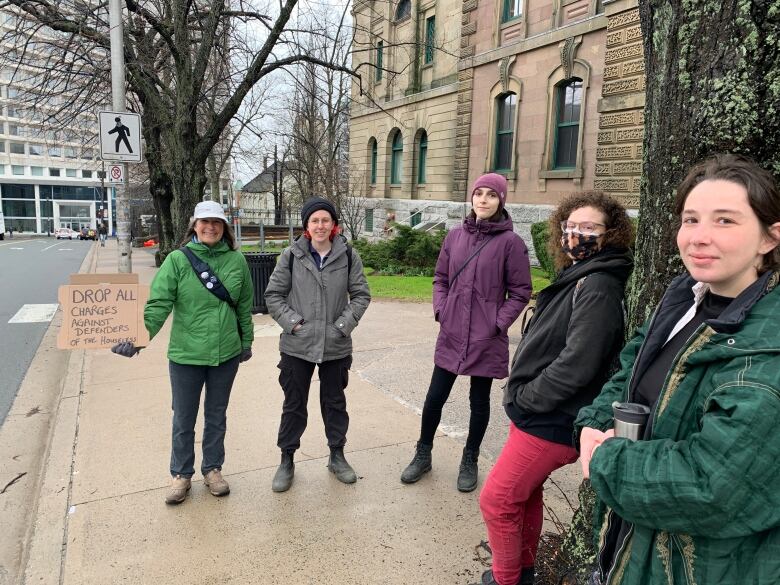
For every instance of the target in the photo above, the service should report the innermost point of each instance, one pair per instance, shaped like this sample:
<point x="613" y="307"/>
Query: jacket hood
<point x="489" y="227"/>
<point x="616" y="261"/>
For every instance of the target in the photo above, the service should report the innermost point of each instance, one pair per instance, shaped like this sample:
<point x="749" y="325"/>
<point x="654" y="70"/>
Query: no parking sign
<point x="115" y="174"/>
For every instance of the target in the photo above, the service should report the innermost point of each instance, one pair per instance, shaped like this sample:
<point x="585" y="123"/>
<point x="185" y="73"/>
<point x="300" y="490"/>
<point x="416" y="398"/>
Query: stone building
<point x="549" y="93"/>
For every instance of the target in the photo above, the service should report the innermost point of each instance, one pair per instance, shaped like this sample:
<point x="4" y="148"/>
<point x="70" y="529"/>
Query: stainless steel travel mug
<point x="630" y="419"/>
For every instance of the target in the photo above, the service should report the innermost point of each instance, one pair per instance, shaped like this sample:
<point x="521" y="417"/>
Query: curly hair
<point x="619" y="234"/>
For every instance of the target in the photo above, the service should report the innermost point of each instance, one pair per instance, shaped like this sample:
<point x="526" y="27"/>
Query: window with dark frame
<point x="396" y="159"/>
<point x="422" y="158"/>
<point x="512" y="9"/>
<point x="380" y="46"/>
<point x="567" y="123"/>
<point x="506" y="105"/>
<point x="404" y="9"/>
<point x="373" y="161"/>
<point x="430" y="38"/>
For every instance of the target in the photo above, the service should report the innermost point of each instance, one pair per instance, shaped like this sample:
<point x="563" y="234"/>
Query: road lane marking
<point x="16" y="248"/>
<point x="47" y="247"/>
<point x="64" y="249"/>
<point x="42" y="313"/>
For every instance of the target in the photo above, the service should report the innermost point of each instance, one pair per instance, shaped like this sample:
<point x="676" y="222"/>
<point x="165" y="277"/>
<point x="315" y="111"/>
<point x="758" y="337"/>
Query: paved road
<point x="31" y="269"/>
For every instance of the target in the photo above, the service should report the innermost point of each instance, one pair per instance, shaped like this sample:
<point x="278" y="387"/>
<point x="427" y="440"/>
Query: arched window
<point x="422" y="155"/>
<point x="567" y="122"/>
<point x="372" y="146"/>
<point x="506" y="106"/>
<point x="403" y="10"/>
<point x="396" y="158"/>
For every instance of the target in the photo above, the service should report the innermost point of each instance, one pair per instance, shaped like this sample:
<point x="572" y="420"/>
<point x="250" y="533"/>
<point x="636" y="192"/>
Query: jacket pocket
<point x="483" y="321"/>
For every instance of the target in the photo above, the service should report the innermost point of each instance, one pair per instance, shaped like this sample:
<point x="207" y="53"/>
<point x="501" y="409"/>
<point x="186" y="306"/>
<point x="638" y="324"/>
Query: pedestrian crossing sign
<point x="120" y="136"/>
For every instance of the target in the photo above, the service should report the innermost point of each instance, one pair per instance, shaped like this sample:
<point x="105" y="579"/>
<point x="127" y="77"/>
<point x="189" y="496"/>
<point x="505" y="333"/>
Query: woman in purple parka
<point x="481" y="285"/>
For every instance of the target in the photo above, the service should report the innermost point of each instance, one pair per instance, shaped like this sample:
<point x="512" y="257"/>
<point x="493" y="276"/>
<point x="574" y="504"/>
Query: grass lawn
<point x="420" y="288"/>
<point x="269" y="247"/>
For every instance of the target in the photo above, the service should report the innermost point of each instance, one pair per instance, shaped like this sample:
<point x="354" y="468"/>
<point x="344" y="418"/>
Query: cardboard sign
<point x="101" y="310"/>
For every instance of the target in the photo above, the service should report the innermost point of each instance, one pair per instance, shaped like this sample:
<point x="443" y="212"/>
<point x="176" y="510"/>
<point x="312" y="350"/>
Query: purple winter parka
<point x="476" y="310"/>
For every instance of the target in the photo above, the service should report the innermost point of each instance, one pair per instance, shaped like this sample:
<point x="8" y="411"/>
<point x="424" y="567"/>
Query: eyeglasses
<point x="587" y="228"/>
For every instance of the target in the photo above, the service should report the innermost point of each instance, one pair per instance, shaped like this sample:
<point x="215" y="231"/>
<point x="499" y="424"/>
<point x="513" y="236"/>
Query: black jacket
<point x="569" y="346"/>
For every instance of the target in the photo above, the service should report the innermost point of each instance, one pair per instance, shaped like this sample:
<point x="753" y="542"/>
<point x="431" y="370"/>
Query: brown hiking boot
<point x="178" y="490"/>
<point x="216" y="483"/>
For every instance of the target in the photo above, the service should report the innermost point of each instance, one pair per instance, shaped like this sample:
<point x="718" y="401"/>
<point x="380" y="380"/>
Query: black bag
<point x="211" y="282"/>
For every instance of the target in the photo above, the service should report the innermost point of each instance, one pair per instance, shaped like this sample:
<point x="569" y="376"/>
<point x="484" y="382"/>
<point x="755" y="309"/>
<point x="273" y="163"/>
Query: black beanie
<point x="315" y="204"/>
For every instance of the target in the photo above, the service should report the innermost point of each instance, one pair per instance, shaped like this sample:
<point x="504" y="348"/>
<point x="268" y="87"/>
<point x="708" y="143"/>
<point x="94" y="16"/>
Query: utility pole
<point x="118" y="104"/>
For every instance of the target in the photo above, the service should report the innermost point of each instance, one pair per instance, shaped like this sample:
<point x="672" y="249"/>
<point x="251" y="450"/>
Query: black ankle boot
<point x="337" y="464"/>
<point x="468" y="473"/>
<point x="527" y="576"/>
<point x="420" y="465"/>
<point x="283" y="477"/>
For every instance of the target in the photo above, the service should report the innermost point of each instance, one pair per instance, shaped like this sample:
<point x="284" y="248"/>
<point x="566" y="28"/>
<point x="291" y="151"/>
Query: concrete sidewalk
<point x="101" y="517"/>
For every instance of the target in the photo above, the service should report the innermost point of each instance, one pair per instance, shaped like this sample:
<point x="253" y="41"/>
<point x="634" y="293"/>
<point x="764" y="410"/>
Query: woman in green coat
<point x="697" y="499"/>
<point x="209" y="338"/>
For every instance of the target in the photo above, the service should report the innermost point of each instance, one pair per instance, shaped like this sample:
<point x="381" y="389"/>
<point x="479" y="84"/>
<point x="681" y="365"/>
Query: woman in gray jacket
<point x="317" y="294"/>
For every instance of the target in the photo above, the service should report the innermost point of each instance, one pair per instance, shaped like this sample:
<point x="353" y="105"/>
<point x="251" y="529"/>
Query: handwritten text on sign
<point x="101" y="315"/>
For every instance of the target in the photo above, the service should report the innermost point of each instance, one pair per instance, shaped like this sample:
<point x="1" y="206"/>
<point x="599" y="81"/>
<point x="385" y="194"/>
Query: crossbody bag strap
<point x="211" y="282"/>
<point x="469" y="259"/>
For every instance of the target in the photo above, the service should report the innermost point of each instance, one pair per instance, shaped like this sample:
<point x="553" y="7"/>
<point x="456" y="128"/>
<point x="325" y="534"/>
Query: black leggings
<point x="438" y="393"/>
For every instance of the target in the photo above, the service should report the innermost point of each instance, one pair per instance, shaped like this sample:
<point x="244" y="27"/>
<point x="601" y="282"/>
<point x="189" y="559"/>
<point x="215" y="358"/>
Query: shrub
<point x="540" y="235"/>
<point x="410" y="252"/>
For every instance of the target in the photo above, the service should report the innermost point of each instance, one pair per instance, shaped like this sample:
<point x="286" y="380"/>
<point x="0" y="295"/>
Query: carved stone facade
<point x="621" y="109"/>
<point x="485" y="56"/>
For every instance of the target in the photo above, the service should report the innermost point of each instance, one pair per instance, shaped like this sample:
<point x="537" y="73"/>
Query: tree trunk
<point x="713" y="85"/>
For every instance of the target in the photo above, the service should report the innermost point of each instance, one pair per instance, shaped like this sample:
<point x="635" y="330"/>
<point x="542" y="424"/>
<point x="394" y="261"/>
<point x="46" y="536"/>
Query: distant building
<point x="48" y="178"/>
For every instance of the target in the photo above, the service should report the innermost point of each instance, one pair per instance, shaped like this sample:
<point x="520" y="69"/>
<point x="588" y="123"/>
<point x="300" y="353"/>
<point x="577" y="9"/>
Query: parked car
<point x="88" y="234"/>
<point x="65" y="233"/>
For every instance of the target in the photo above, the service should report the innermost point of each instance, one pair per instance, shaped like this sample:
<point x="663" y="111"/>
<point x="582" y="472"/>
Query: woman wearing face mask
<point x="560" y="365"/>
<point x="481" y="285"/>
<point x="698" y="500"/>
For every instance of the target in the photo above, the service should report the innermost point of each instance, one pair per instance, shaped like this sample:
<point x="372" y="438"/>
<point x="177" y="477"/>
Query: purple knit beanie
<point x="495" y="182"/>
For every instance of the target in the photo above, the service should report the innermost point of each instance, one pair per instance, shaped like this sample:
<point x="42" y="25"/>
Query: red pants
<point x="511" y="500"/>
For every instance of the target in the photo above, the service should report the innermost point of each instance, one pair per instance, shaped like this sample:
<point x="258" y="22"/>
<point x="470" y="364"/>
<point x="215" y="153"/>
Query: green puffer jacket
<point x="703" y="493"/>
<point x="204" y="331"/>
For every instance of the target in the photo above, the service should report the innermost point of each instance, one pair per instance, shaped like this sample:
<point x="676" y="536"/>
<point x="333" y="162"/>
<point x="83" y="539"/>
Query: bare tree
<point x="181" y="56"/>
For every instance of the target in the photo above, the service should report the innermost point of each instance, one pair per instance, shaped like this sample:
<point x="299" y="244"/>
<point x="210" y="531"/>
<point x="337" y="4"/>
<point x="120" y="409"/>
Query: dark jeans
<point x="295" y="379"/>
<point x="438" y="393"/>
<point x="187" y="383"/>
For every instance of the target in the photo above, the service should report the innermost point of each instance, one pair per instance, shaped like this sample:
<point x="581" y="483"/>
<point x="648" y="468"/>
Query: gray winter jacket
<point x="328" y="302"/>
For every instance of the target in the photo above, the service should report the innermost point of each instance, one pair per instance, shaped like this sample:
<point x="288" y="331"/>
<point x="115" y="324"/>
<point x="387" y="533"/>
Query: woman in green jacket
<point x="209" y="338"/>
<point x="697" y="499"/>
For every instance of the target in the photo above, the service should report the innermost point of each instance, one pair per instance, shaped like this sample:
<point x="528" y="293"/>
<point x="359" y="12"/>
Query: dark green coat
<point x="703" y="493"/>
<point x="204" y="330"/>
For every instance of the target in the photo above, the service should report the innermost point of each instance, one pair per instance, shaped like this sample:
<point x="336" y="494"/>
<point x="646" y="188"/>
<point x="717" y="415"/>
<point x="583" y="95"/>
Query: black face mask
<point x="584" y="246"/>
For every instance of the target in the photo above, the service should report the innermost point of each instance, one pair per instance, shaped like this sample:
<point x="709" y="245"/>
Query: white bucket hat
<point x="209" y="210"/>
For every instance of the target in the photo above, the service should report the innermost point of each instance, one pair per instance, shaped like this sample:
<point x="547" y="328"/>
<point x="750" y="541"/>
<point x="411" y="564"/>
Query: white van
<point x="2" y="226"/>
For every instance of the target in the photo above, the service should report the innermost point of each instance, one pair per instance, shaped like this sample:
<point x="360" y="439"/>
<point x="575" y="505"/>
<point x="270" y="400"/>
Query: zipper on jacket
<point x="629" y="388"/>
<point x="675" y="363"/>
<point x="618" y="554"/>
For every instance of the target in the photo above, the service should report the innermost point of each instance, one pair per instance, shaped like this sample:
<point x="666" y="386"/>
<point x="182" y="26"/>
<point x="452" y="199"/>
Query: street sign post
<point x="120" y="136"/>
